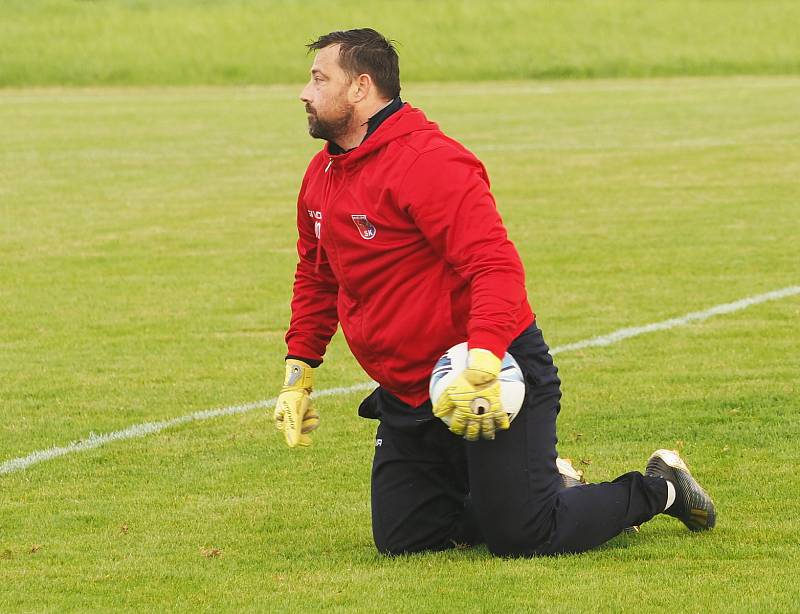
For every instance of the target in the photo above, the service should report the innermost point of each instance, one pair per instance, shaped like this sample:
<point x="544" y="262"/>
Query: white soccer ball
<point x="454" y="361"/>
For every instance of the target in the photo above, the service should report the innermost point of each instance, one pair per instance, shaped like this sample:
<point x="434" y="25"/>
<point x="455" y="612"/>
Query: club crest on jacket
<point x="364" y="226"/>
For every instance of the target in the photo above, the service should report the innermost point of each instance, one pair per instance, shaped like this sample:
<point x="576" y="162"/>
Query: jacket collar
<point x="372" y="125"/>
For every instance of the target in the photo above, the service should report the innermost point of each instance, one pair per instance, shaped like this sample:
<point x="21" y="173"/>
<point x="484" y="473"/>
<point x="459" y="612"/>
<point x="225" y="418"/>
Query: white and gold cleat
<point x="693" y="506"/>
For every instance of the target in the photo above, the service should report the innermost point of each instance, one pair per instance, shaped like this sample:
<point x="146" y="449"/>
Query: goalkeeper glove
<point x="293" y="412"/>
<point x="472" y="401"/>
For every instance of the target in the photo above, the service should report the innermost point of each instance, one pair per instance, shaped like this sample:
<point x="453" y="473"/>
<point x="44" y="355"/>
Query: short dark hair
<point x="364" y="50"/>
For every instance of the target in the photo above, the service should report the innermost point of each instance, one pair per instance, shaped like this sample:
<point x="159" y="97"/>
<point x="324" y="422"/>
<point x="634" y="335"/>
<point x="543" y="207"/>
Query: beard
<point x="333" y="126"/>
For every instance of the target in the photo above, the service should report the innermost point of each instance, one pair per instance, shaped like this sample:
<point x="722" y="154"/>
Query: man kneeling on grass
<point x="401" y="243"/>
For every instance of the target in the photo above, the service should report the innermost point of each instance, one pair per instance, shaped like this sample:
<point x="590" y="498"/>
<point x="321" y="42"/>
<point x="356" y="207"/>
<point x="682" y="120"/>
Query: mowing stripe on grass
<point x="147" y="428"/>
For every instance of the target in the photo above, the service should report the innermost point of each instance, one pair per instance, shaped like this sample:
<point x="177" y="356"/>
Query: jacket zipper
<point x="326" y="190"/>
<point x="327" y="193"/>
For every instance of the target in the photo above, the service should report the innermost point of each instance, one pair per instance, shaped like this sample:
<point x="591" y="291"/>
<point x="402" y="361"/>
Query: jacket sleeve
<point x="314" y="315"/>
<point x="446" y="192"/>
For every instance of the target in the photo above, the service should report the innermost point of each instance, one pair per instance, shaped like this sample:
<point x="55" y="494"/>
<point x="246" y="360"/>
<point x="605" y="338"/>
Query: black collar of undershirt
<point x="372" y="124"/>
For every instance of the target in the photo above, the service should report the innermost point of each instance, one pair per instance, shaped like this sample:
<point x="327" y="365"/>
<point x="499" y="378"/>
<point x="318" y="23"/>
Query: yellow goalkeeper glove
<point x="471" y="403"/>
<point x="293" y="412"/>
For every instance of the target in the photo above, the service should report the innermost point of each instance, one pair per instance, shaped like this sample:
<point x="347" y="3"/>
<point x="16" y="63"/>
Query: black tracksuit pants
<point x="433" y="490"/>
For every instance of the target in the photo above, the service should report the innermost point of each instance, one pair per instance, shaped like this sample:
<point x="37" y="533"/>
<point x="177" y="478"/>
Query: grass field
<point x="146" y="242"/>
<point x="167" y="42"/>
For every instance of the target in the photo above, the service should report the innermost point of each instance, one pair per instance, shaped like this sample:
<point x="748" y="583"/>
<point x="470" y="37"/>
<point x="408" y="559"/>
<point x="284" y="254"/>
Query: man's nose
<point x="304" y="97"/>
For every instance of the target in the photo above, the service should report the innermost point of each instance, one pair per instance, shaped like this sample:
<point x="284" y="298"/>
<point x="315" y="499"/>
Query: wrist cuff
<point x="309" y="361"/>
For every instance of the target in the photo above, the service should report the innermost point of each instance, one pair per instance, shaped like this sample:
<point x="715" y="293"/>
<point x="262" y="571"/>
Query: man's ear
<point x="361" y="87"/>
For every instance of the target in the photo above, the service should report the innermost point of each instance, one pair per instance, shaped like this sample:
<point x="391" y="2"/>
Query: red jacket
<point x="414" y="257"/>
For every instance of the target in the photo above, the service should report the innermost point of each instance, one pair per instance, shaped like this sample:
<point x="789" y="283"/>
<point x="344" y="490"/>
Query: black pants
<point x="433" y="490"/>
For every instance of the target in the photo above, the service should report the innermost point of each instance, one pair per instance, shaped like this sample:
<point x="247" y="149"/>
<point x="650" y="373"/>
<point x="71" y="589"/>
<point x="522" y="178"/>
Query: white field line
<point x="695" y="316"/>
<point x="148" y="428"/>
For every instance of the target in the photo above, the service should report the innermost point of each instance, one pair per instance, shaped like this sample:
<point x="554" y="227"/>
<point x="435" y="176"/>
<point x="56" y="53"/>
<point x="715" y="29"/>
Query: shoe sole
<point x="571" y="477"/>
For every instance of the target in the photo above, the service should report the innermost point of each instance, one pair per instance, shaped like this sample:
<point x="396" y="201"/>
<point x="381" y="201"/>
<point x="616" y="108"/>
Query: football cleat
<point x="571" y="477"/>
<point x="692" y="504"/>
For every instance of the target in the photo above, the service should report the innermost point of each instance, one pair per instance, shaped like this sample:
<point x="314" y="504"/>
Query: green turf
<point x="82" y="42"/>
<point x="146" y="250"/>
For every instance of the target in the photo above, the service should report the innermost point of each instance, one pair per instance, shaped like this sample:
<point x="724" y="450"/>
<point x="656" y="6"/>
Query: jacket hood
<point x="406" y="120"/>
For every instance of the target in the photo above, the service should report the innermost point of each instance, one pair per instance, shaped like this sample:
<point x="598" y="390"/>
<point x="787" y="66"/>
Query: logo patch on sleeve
<point x="365" y="227"/>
